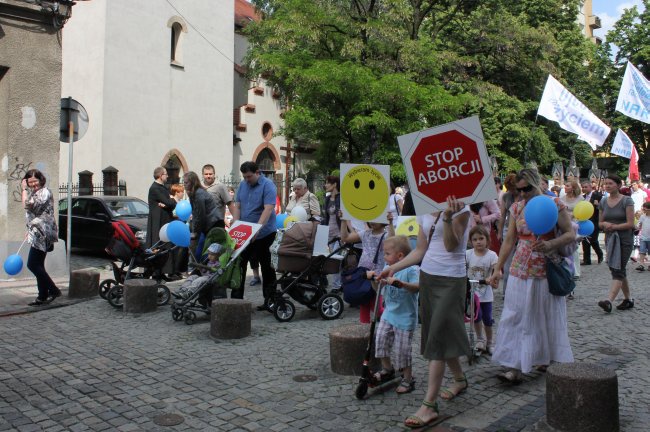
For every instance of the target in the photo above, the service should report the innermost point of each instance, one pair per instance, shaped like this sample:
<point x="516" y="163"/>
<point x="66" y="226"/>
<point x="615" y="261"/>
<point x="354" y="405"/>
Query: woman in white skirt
<point x="533" y="326"/>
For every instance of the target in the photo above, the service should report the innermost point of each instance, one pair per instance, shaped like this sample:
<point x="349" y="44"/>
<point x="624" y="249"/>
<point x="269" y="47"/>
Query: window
<point x="177" y="29"/>
<point x="267" y="131"/>
<point x="265" y="161"/>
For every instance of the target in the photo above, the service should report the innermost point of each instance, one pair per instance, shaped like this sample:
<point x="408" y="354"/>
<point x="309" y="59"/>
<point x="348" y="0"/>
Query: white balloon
<point x="300" y="213"/>
<point x="163" y="233"/>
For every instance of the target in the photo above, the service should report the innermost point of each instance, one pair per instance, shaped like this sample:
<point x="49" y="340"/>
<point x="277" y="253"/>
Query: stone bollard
<point x="83" y="284"/>
<point x="581" y="397"/>
<point x="140" y="295"/>
<point x="348" y="345"/>
<point x="231" y="318"/>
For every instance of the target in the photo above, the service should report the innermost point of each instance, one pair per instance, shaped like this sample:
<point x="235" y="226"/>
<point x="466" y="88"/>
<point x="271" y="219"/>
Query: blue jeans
<point x="36" y="265"/>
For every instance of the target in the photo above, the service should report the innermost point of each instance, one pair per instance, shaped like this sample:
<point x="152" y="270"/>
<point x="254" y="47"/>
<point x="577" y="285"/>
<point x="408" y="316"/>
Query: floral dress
<point x="527" y="263"/>
<point x="42" y="231"/>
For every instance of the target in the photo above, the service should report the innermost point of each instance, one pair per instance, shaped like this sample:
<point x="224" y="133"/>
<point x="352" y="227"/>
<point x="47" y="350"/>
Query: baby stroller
<point x="227" y="275"/>
<point x="292" y="255"/>
<point x="128" y="254"/>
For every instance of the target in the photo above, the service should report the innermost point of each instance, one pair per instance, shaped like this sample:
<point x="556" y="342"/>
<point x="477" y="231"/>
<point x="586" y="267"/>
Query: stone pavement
<point x="88" y="366"/>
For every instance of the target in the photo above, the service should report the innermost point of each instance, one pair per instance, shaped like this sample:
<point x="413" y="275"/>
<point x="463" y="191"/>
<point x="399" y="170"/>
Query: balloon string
<point x="21" y="246"/>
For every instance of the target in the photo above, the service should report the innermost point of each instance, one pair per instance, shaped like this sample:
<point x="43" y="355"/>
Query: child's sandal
<point x="384" y="375"/>
<point x="405" y="386"/>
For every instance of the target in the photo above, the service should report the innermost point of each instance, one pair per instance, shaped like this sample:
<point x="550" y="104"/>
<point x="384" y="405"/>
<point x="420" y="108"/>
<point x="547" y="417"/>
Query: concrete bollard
<point x="231" y="318"/>
<point x="348" y="345"/>
<point x="582" y="397"/>
<point x="140" y="295"/>
<point x="83" y="284"/>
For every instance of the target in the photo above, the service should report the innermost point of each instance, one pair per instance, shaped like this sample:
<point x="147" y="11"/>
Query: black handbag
<point x="560" y="281"/>
<point x="357" y="290"/>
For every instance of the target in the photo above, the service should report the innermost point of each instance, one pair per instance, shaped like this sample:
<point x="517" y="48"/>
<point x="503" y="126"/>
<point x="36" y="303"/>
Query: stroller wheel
<point x="163" y="295"/>
<point x="269" y="302"/>
<point x="115" y="296"/>
<point x="190" y="317"/>
<point x="361" y="390"/>
<point x="330" y="306"/>
<point x="284" y="311"/>
<point x="177" y="313"/>
<point x="105" y="286"/>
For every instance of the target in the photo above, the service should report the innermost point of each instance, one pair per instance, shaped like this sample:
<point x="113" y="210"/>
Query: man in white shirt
<point x="638" y="196"/>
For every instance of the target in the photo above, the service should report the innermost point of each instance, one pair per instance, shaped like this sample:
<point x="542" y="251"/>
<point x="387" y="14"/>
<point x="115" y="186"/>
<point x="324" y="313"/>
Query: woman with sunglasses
<point x="533" y="326"/>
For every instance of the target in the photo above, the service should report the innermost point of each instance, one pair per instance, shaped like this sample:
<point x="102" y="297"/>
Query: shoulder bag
<point x="357" y="290"/>
<point x="560" y="281"/>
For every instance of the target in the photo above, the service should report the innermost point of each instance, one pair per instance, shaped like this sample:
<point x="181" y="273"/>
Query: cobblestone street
<point x="88" y="366"/>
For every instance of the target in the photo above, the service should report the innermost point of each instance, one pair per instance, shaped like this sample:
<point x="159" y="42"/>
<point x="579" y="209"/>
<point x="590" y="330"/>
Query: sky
<point x="610" y="11"/>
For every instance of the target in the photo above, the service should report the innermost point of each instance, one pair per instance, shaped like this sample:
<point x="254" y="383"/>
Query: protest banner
<point x="634" y="96"/>
<point x="365" y="190"/>
<point x="242" y="233"/>
<point x="559" y="105"/>
<point x="623" y="146"/>
<point x="450" y="159"/>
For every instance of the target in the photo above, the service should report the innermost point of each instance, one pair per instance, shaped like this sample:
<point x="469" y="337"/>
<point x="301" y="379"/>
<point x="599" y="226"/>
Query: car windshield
<point x="128" y="208"/>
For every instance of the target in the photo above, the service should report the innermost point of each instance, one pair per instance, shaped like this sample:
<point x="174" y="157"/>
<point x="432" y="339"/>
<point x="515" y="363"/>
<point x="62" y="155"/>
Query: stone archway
<point x="176" y="165"/>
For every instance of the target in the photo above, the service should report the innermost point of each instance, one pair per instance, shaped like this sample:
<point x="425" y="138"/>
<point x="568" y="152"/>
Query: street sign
<point x="450" y="159"/>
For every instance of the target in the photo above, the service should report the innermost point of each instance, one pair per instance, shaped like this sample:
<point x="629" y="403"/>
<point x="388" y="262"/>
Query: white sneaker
<point x="480" y="345"/>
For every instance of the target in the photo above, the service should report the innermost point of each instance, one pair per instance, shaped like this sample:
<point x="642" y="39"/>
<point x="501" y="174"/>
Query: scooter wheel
<point x="362" y="390"/>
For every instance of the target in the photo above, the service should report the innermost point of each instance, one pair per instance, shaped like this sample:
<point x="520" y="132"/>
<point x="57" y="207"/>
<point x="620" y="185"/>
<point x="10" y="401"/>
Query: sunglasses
<point x="525" y="188"/>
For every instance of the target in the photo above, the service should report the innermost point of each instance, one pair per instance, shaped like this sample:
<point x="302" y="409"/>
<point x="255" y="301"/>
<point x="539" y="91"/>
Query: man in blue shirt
<point x="255" y="203"/>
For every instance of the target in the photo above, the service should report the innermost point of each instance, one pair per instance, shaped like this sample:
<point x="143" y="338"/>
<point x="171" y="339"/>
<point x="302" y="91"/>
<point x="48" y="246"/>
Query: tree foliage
<point x="358" y="73"/>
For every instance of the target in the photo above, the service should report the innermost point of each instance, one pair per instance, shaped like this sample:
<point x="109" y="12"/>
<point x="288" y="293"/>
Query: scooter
<point x="368" y="379"/>
<point x="472" y="284"/>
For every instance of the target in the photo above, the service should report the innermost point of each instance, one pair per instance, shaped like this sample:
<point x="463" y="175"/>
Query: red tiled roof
<point x="245" y="13"/>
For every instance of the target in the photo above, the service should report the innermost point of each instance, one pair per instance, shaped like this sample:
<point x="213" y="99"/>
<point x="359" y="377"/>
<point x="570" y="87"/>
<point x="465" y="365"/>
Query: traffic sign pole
<point x="68" y="233"/>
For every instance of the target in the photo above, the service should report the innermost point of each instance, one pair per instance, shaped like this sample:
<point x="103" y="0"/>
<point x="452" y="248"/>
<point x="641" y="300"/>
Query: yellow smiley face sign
<point x="365" y="192"/>
<point x="407" y="226"/>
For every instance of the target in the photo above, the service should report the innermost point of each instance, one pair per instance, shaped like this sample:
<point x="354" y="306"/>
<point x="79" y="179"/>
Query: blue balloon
<point x="540" y="214"/>
<point x="585" y="228"/>
<point x="13" y="264"/>
<point x="279" y="220"/>
<point x="183" y="210"/>
<point x="178" y="233"/>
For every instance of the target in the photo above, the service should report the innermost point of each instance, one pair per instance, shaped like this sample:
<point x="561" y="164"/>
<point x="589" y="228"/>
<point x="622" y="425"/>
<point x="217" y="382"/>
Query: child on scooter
<point x="480" y="262"/>
<point x="394" y="334"/>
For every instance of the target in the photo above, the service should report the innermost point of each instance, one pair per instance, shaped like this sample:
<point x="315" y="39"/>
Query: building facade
<point x="589" y="22"/>
<point x="30" y="93"/>
<point x="156" y="80"/>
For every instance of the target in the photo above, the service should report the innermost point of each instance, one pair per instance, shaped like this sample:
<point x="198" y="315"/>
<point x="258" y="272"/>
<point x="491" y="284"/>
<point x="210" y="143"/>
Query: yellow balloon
<point x="290" y="219"/>
<point x="583" y="210"/>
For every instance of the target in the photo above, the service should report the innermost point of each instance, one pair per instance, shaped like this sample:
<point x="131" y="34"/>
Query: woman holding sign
<point x="533" y="326"/>
<point x="441" y="244"/>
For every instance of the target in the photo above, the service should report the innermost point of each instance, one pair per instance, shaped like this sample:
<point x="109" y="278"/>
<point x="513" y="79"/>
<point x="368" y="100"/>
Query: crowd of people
<point x="488" y="242"/>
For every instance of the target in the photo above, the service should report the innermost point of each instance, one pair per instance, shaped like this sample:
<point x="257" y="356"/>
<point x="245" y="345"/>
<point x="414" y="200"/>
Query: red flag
<point x="634" y="165"/>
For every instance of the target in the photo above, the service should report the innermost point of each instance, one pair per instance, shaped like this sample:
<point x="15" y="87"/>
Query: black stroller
<point x="128" y="255"/>
<point x="302" y="274"/>
<point x="216" y="282"/>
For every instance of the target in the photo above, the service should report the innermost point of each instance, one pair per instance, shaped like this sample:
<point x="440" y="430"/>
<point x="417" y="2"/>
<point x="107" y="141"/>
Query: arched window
<point x="177" y="28"/>
<point x="265" y="161"/>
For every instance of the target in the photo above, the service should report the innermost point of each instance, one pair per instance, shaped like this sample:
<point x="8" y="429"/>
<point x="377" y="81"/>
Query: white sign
<point x="559" y="105"/>
<point x="364" y="192"/>
<point x="242" y="232"/>
<point x="450" y="159"/>
<point x="634" y="96"/>
<point x="623" y="145"/>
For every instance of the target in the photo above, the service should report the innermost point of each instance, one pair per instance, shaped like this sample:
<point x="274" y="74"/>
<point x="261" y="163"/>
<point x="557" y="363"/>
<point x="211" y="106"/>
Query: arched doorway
<point x="266" y="162"/>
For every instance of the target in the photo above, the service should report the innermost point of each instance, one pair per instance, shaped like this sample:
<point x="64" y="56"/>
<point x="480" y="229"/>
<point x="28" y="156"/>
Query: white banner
<point x="559" y="105"/>
<point x="634" y="96"/>
<point x="623" y="145"/>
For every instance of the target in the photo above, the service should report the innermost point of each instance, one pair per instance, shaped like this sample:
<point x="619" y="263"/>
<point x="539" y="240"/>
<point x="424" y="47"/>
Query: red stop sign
<point x="449" y="159"/>
<point x="446" y="164"/>
<point x="240" y="234"/>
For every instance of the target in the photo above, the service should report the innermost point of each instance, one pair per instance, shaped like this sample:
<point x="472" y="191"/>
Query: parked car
<point x="92" y="217"/>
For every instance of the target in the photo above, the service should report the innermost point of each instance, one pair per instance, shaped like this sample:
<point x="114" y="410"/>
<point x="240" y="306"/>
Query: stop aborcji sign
<point x="450" y="159"/>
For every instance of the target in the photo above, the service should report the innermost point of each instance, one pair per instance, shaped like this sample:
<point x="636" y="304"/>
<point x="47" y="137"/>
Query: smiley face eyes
<point x="357" y="184"/>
